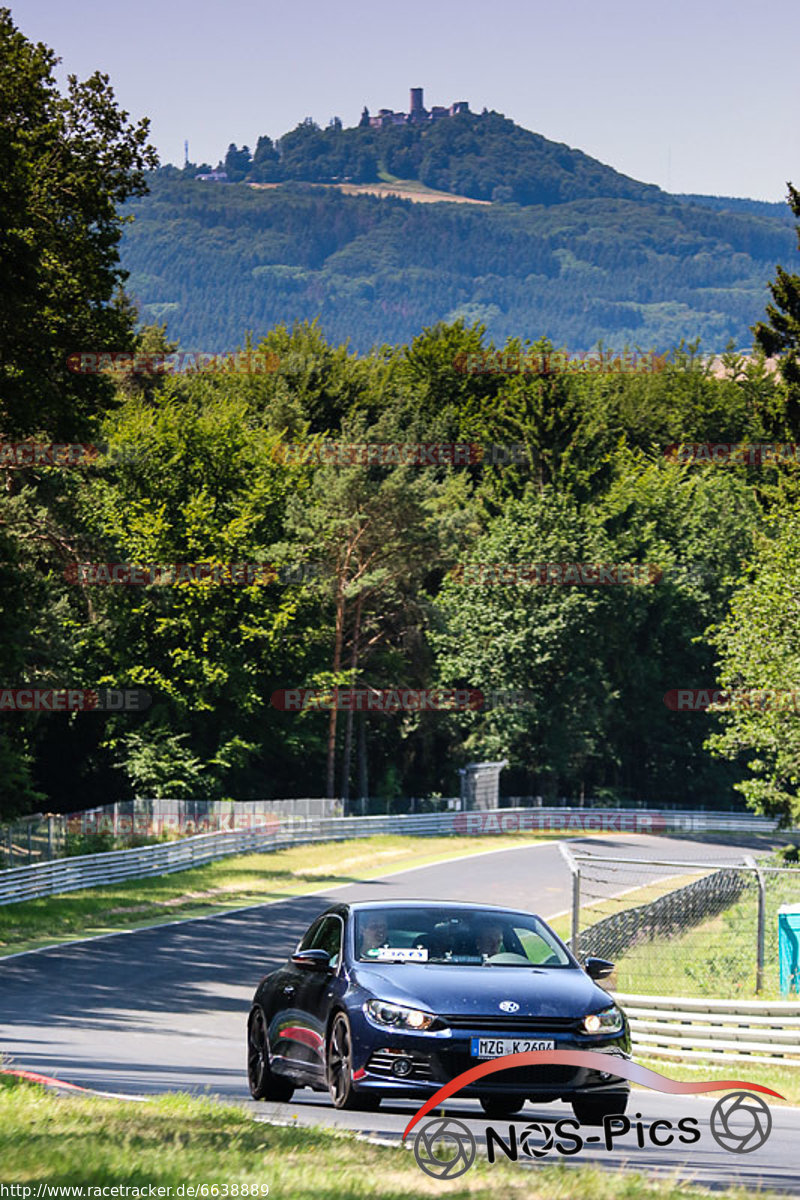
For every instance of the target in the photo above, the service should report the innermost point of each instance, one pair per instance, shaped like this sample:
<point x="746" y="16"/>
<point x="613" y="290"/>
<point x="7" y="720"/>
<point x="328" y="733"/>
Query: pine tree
<point x="781" y="336"/>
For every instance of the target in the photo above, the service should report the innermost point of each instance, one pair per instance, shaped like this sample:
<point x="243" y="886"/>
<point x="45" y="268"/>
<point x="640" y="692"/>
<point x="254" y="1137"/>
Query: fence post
<point x="761" y="926"/>
<point x="50" y="838"/>
<point x="575" y="870"/>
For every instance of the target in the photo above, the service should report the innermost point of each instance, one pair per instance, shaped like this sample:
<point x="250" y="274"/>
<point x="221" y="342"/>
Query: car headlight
<point x="608" y="1020"/>
<point x="395" y="1016"/>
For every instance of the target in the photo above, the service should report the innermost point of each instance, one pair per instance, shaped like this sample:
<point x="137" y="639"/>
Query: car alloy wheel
<point x="263" y="1084"/>
<point x="340" y="1069"/>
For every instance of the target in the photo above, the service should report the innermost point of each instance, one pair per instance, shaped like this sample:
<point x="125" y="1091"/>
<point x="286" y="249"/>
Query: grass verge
<point x="785" y="1080"/>
<point x="231" y="883"/>
<point x="717" y="957"/>
<point x="177" y="1140"/>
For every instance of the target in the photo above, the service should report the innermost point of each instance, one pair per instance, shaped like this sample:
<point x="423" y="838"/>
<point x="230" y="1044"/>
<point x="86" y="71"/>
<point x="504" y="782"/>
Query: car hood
<point x="478" y="991"/>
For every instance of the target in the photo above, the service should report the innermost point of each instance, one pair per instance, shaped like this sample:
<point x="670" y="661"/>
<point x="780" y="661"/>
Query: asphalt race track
<point x="165" y="1009"/>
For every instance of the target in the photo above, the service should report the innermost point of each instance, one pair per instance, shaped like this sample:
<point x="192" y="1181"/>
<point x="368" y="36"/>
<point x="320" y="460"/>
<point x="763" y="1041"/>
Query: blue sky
<point x="694" y="95"/>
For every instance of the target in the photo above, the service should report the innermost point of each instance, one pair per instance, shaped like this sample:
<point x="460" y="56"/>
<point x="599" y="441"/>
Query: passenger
<point x="489" y="938"/>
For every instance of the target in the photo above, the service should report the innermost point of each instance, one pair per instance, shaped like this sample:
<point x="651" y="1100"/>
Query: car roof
<point x="460" y="905"/>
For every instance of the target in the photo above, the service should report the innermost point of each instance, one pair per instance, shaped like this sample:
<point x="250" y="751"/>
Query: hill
<point x="486" y="157"/>
<point x="565" y="247"/>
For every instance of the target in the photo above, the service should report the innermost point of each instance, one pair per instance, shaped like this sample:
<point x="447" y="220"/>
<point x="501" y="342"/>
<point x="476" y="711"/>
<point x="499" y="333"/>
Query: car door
<point x="292" y="1043"/>
<point x="317" y="990"/>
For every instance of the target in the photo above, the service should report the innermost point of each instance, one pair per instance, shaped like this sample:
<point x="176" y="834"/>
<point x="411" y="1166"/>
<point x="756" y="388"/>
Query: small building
<point x="417" y="112"/>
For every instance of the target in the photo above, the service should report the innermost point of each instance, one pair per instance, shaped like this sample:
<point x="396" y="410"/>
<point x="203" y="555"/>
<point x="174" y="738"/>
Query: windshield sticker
<point x="405" y="954"/>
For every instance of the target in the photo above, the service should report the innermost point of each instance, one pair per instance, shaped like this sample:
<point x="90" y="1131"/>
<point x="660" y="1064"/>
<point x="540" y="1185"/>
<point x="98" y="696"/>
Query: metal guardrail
<point x="736" y="1031"/>
<point x="94" y="870"/>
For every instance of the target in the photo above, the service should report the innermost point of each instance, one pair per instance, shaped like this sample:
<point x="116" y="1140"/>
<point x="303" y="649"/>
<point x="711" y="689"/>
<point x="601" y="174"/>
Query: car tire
<point x="500" y="1107"/>
<point x="263" y="1084"/>
<point x="339" y="1070"/>
<point x="590" y="1110"/>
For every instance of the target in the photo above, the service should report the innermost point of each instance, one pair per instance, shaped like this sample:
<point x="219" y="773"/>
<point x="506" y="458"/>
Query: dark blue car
<point x="394" y="999"/>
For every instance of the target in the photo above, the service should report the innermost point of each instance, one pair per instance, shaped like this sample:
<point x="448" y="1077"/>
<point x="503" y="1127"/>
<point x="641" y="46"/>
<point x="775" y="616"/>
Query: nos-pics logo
<point x="445" y="1147"/>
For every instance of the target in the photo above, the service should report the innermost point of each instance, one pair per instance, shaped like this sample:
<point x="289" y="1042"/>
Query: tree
<point x="237" y="163"/>
<point x="781" y="335"/>
<point x="759" y="665"/>
<point x="266" y="162"/>
<point x="66" y="164"/>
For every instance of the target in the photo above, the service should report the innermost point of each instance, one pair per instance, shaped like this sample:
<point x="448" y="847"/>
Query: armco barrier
<point x="696" y="1029"/>
<point x="93" y="870"/>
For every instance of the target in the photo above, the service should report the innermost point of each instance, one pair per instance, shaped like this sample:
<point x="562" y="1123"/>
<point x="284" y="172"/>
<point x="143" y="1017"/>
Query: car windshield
<point x="456" y="937"/>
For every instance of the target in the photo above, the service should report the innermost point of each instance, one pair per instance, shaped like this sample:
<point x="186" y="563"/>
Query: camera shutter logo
<point x="531" y="1133"/>
<point x="740" y="1122"/>
<point x="509" y="1006"/>
<point x="447" y="1134"/>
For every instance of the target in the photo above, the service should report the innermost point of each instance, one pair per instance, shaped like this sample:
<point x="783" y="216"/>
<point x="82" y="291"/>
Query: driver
<point x="372" y="934"/>
<point x="489" y="938"/>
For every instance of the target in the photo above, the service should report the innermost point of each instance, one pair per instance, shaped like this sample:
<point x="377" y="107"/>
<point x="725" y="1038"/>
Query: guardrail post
<point x="575" y="870"/>
<point x="761" y="924"/>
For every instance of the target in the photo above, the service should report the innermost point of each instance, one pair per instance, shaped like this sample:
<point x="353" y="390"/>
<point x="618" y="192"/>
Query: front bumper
<point x="429" y="1060"/>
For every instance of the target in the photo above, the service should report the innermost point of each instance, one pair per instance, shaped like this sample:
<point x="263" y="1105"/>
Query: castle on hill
<point x="417" y="113"/>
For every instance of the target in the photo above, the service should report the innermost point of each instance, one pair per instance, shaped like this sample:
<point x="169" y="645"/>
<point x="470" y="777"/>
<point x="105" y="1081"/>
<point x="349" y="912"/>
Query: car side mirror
<point x="312" y="960"/>
<point x="598" y="968"/>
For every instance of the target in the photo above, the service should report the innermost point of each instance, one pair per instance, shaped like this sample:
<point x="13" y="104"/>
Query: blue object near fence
<point x="789" y="947"/>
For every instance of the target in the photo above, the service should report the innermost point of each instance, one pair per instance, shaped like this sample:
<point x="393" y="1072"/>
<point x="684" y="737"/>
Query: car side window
<point x="329" y="938"/>
<point x="308" y="941"/>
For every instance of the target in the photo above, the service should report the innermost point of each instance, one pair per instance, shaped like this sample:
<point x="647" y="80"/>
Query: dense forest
<point x="214" y="261"/>
<point x="264" y="570"/>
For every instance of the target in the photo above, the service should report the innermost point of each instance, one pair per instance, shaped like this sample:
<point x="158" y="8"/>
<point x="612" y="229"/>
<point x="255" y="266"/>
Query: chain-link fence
<point x="682" y="928"/>
<point x="43" y="837"/>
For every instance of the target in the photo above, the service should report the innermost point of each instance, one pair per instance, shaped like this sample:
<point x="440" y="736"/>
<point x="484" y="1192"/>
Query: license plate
<point x="495" y="1047"/>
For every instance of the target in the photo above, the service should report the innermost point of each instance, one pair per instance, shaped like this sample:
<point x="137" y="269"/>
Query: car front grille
<point x="493" y="1025"/>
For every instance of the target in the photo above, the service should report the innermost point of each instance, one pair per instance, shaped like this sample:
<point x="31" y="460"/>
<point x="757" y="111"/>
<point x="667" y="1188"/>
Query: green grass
<point x="231" y="883"/>
<point x="174" y="1140"/>
<point x="785" y="1080"/>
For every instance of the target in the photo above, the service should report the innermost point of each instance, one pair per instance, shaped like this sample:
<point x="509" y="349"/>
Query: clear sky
<point x="693" y="95"/>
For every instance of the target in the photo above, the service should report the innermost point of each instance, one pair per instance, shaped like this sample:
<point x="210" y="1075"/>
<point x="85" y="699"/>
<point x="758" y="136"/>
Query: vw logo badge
<point x="740" y="1122"/>
<point x="509" y="1006"/>
<point x="444" y="1148"/>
